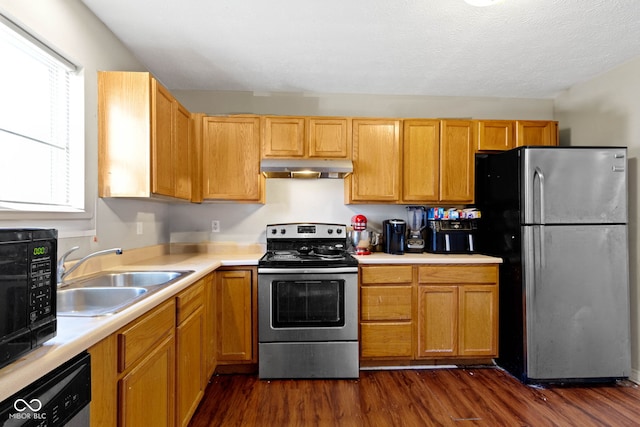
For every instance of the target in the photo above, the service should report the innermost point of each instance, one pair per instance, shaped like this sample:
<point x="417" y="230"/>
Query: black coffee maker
<point x="393" y="235"/>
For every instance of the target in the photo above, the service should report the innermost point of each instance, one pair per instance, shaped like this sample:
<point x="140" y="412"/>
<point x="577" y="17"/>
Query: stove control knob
<point x="339" y="231"/>
<point x="282" y="231"/>
<point x="330" y="230"/>
<point x="274" y="231"/>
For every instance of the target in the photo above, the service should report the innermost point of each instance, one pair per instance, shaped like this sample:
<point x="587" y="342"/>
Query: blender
<point x="416" y="222"/>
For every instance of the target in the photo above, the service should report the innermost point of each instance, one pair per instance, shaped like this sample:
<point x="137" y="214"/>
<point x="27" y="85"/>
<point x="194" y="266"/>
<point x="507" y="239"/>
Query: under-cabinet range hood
<point x="306" y="168"/>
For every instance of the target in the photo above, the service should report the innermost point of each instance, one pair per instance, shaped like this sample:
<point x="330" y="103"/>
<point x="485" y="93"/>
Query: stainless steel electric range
<point x="307" y="303"/>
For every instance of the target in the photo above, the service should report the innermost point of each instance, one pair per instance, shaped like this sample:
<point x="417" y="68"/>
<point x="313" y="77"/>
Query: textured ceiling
<point x="519" y="48"/>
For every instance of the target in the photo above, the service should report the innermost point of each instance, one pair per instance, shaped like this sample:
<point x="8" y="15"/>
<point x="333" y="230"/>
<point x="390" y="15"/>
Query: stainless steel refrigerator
<point x="558" y="218"/>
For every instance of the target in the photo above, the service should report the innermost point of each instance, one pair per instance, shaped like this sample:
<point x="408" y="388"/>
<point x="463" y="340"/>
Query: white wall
<point x="606" y="111"/>
<point x="71" y="29"/>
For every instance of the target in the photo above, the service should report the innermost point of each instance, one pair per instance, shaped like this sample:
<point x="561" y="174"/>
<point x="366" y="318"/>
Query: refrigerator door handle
<point x="534" y="258"/>
<point x="538" y="177"/>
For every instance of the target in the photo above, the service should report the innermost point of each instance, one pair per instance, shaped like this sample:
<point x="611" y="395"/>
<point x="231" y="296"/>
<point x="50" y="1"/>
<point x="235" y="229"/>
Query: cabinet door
<point x="231" y="159"/>
<point x="457" y="161"/>
<point x="437" y="321"/>
<point x="495" y="135"/>
<point x="329" y="138"/>
<point x="536" y="132"/>
<point x="478" y="320"/>
<point x="162" y="161"/>
<point x="104" y="391"/>
<point x="283" y="137"/>
<point x="376" y="161"/>
<point x="210" y="324"/>
<point x="182" y="152"/>
<point x="190" y="383"/>
<point x="421" y="165"/>
<point x="124" y="132"/>
<point x="147" y="392"/>
<point x="235" y="315"/>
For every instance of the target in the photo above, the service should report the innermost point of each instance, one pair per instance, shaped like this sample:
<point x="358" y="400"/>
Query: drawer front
<point x="142" y="335"/>
<point x="458" y="273"/>
<point x="385" y="303"/>
<point x="387" y="274"/>
<point x="189" y="300"/>
<point x="386" y="340"/>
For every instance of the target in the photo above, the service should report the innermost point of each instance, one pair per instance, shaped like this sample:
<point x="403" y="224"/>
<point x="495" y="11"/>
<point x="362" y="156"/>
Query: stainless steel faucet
<point x="62" y="272"/>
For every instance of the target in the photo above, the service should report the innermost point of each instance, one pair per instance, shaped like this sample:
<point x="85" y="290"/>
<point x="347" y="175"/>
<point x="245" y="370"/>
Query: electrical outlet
<point x="215" y="226"/>
<point x="139" y="227"/>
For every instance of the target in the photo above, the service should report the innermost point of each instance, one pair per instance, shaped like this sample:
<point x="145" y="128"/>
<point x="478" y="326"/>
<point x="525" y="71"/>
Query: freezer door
<point x="574" y="185"/>
<point x="577" y="302"/>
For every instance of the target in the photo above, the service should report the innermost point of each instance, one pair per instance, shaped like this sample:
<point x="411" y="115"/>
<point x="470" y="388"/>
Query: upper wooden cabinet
<point x="421" y="156"/>
<point x="436" y="158"/>
<point x="536" y="132"/>
<point x="495" y="135"/>
<point x="500" y="135"/>
<point x="376" y="161"/>
<point x="457" y="161"/>
<point x="231" y="159"/>
<point x="144" y="138"/>
<point x="306" y="137"/>
<point x="438" y="161"/>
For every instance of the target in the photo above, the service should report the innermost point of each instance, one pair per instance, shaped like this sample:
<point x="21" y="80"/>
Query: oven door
<point x="303" y="306"/>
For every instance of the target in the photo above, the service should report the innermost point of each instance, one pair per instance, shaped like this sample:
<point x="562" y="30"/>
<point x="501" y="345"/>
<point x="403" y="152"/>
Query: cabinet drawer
<point x="387" y="274"/>
<point x="386" y="339"/>
<point x="385" y="303"/>
<point x="141" y="336"/>
<point x="188" y="301"/>
<point x="458" y="274"/>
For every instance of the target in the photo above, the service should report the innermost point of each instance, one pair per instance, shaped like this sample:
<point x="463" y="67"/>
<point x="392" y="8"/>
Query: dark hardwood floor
<point x="429" y="397"/>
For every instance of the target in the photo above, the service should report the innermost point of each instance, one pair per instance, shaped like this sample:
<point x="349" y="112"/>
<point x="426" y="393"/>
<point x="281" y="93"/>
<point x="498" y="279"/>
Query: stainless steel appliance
<point x="558" y="218"/>
<point x="60" y="398"/>
<point x="416" y="223"/>
<point x="307" y="303"/>
<point x="393" y="236"/>
<point x="27" y="290"/>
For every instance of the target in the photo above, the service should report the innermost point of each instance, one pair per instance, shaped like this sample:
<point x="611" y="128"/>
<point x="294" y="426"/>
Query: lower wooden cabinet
<point x="386" y="326"/>
<point x="457" y="311"/>
<point x="413" y="312"/>
<point x="146" y="366"/>
<point x="104" y="383"/>
<point x="154" y="370"/>
<point x="146" y="392"/>
<point x="237" y="316"/>
<point x="190" y="358"/>
<point x="437" y="321"/>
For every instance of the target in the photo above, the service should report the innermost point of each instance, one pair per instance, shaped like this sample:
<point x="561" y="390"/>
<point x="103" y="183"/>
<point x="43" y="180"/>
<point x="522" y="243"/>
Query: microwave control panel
<point x="41" y="287"/>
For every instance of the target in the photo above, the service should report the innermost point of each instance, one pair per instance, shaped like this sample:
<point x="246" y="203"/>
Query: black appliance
<point x="451" y="236"/>
<point x="27" y="290"/>
<point x="307" y="303"/>
<point x="393" y="236"/>
<point x="60" y="398"/>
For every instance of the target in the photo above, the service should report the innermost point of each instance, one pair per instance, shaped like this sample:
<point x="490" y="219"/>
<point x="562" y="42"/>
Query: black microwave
<point x="27" y="290"/>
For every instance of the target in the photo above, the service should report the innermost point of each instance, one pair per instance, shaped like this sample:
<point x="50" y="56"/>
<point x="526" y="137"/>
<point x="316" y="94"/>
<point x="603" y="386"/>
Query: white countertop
<point x="76" y="334"/>
<point x="426" y="258"/>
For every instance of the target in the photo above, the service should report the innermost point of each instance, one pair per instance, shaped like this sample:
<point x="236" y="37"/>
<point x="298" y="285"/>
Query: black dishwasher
<point x="60" y="398"/>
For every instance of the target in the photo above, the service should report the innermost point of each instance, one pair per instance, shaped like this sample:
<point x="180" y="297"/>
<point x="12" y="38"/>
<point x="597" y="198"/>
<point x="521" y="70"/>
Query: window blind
<point x="35" y="134"/>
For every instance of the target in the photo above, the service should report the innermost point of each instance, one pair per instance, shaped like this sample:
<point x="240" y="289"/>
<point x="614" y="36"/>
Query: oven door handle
<point x="295" y="270"/>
